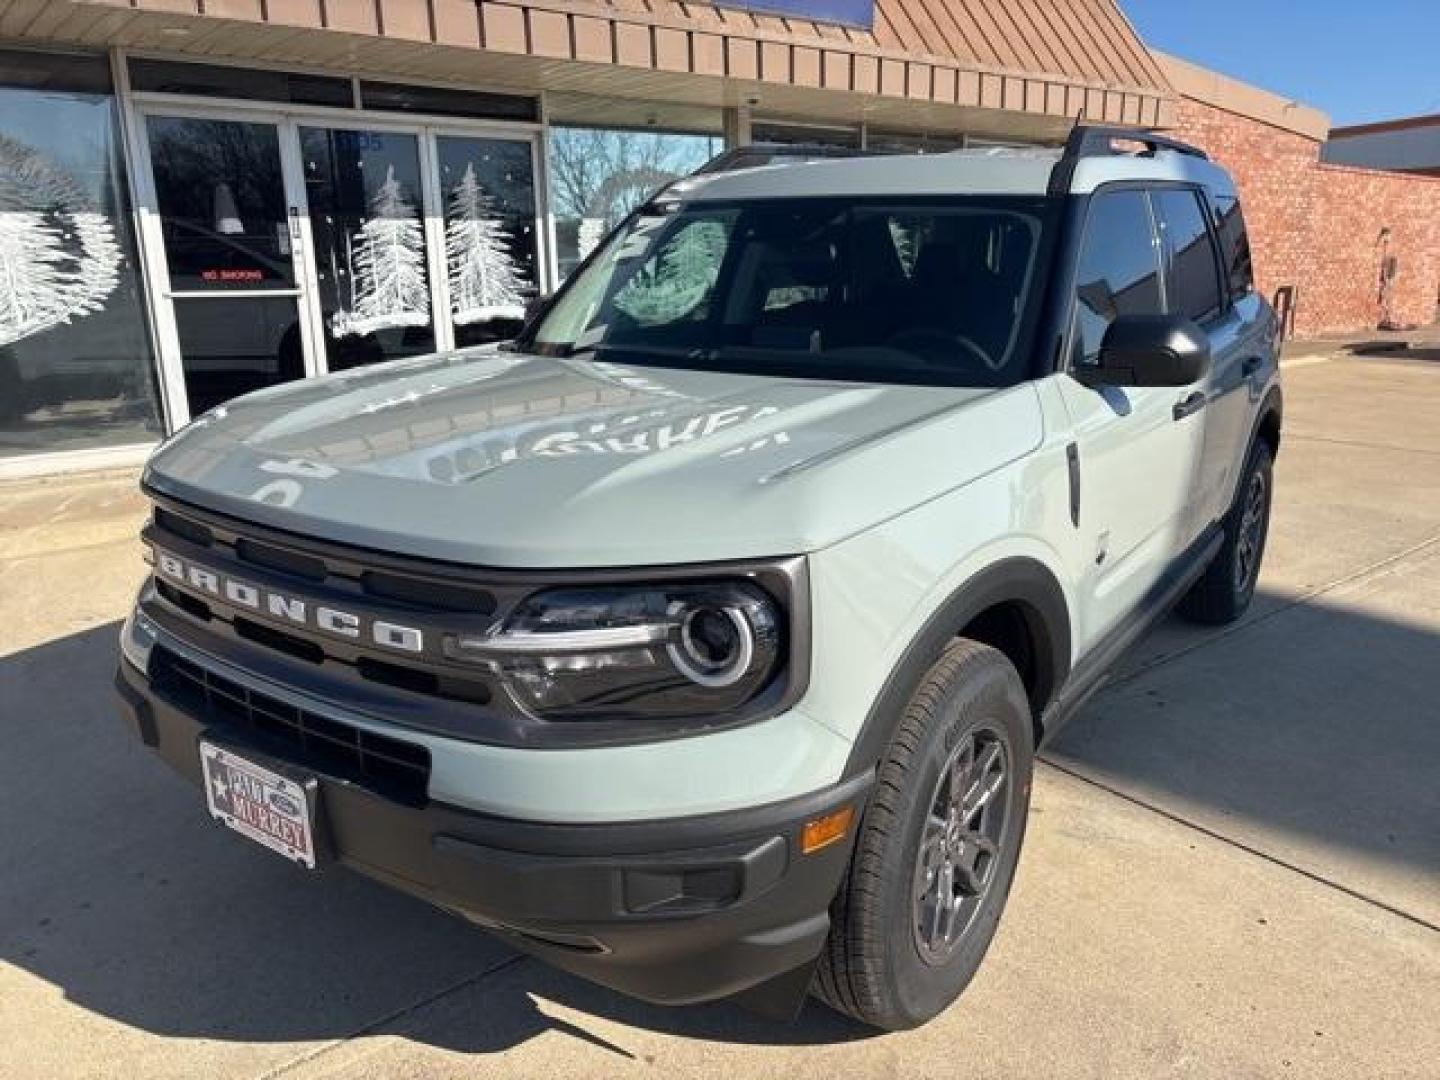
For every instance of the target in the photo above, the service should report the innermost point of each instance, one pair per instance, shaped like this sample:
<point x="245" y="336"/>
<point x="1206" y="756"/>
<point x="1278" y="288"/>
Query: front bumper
<point x="671" y="911"/>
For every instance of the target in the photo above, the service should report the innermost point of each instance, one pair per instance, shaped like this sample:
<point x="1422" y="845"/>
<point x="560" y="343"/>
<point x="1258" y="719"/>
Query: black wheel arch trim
<point x="1273" y="405"/>
<point x="1020" y="580"/>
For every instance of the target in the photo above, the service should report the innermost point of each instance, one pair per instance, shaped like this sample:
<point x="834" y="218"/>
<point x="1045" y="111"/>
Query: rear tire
<point x="1225" y="590"/>
<point x="937" y="847"/>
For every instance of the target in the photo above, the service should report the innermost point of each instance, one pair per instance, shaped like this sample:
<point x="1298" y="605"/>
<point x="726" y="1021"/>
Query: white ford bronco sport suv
<point x="700" y="640"/>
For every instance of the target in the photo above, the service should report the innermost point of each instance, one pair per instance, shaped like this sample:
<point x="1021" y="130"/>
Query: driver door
<point x="1139" y="447"/>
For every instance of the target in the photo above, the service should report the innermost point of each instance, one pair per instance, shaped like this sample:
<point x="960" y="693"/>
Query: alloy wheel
<point x="961" y="843"/>
<point x="1251" y="536"/>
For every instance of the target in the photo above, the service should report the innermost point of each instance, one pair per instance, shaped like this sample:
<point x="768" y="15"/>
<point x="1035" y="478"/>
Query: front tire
<point x="937" y="847"/>
<point x="1225" y="590"/>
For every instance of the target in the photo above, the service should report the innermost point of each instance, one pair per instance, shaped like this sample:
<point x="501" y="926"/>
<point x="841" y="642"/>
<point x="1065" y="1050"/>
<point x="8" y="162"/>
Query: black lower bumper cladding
<point x="671" y="911"/>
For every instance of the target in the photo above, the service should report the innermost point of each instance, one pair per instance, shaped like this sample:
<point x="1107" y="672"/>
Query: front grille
<point x="326" y="579"/>
<point x="393" y="768"/>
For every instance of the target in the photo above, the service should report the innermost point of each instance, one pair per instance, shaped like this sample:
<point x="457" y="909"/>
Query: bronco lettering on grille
<point x="287" y="607"/>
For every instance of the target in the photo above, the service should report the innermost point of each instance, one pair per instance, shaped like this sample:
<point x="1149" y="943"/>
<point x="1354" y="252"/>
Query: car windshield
<point x="940" y="291"/>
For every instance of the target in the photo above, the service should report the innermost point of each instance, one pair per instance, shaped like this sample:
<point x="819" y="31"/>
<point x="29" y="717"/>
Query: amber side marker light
<point x="824" y="831"/>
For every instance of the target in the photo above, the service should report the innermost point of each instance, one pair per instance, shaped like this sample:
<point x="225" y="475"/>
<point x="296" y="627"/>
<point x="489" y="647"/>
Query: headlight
<point x="691" y="648"/>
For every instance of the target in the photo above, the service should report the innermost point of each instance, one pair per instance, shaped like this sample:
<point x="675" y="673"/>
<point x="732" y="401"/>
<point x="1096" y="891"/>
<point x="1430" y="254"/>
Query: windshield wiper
<point x="665" y="351"/>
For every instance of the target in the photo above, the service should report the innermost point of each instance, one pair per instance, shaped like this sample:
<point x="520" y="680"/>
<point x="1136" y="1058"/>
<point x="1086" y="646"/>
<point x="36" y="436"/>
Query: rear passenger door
<point x="1137" y="454"/>
<point x="1195" y="288"/>
<point x="1247" y="331"/>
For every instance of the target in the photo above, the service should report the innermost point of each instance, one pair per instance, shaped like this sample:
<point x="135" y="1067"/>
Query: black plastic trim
<point x="1021" y="580"/>
<point x="1092" y="670"/>
<point x="1189" y="405"/>
<point x="135" y="708"/>
<point x="674" y="910"/>
<point x="1097" y="140"/>
<point x="1072" y="462"/>
<point x="1272" y="405"/>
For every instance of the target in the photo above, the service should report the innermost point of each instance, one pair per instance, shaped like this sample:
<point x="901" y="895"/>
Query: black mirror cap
<point x="1150" y="350"/>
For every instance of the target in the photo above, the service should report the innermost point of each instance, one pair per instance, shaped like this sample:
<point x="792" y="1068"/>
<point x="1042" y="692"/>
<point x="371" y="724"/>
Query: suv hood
<point x="509" y="460"/>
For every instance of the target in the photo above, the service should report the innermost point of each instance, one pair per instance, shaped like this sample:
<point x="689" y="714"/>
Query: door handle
<point x="1250" y="366"/>
<point x="1189" y="405"/>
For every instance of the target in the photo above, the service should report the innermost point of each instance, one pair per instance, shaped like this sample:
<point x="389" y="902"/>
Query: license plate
<point x="256" y="802"/>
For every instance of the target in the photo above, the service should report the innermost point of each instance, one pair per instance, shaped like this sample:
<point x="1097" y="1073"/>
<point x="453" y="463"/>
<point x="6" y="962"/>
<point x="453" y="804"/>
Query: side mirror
<point x="1149" y="350"/>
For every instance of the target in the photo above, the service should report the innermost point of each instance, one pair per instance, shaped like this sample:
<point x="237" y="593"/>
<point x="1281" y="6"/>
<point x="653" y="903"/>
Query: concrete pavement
<point x="1233" y="867"/>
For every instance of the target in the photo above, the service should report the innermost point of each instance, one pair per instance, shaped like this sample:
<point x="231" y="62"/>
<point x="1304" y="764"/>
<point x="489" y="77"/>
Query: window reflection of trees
<point x="598" y="176"/>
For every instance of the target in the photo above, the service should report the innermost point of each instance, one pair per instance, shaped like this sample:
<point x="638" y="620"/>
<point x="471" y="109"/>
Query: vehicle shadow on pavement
<point x="1314" y="723"/>
<point x="1394" y="350"/>
<point x="117" y="889"/>
<point x="1309" y="733"/>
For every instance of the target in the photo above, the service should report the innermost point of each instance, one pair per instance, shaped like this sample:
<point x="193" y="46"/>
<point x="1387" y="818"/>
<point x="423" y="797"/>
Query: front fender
<point x="885" y="603"/>
<point x="1019" y="579"/>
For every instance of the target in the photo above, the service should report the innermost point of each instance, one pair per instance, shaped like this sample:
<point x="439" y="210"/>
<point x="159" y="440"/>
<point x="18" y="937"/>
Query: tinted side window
<point x="1194" y="274"/>
<point x="1235" y="242"/>
<point x="1119" y="272"/>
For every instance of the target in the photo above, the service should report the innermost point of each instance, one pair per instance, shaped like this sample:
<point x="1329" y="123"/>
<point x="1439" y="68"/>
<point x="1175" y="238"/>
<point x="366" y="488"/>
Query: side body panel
<point x="1138" y="465"/>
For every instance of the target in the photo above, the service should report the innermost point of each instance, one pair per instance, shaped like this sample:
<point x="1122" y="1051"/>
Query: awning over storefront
<point x="920" y="63"/>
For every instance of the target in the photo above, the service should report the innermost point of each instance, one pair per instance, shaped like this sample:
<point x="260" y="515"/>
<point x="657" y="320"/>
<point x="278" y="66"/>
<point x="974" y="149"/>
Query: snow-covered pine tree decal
<point x="485" y="282"/>
<point x="671" y="285"/>
<point x="58" y="256"/>
<point x="387" y="256"/>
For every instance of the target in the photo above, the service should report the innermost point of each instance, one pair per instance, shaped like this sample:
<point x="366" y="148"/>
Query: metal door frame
<point x="164" y="295"/>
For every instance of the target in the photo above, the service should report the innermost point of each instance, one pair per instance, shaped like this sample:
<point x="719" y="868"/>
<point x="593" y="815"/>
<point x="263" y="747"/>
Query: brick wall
<point x="1350" y="207"/>
<point x="1318" y="227"/>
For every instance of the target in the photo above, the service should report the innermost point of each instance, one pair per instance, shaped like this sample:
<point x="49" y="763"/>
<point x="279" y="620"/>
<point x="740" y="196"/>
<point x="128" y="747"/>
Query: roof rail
<point x="767" y="153"/>
<point x="1098" y="140"/>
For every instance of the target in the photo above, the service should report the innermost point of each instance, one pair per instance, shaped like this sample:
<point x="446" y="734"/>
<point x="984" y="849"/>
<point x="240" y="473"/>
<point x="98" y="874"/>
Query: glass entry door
<point x="422" y="239"/>
<point x="235" y="319"/>
<point x="368" y="219"/>
<point x="492" y="250"/>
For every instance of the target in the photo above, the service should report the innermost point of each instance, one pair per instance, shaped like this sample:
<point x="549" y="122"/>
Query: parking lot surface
<point x="1232" y="868"/>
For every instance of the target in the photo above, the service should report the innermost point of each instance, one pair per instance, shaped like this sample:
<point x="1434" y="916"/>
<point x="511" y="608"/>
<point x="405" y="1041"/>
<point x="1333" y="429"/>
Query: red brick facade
<point x="1320" y="227"/>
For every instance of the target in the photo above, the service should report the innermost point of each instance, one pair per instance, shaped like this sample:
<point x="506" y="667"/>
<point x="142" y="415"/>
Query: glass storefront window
<point x="598" y="176"/>
<point x="912" y="142"/>
<point x="232" y="346"/>
<point x="787" y="133"/>
<point x="76" y="367"/>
